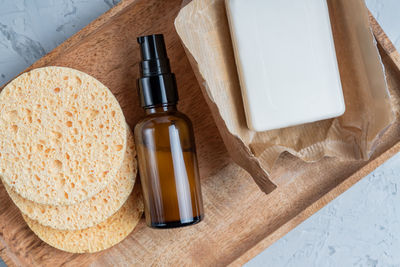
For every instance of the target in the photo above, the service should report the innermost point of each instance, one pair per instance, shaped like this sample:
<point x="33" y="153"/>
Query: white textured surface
<point x="360" y="228"/>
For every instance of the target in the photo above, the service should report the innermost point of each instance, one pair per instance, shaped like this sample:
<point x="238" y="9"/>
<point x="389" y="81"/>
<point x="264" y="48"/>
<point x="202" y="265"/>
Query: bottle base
<point x="176" y="224"/>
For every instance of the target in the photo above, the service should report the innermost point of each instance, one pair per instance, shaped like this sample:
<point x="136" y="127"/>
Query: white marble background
<point x="359" y="228"/>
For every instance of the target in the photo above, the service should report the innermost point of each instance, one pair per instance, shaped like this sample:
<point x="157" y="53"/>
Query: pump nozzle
<point x="154" y="55"/>
<point x="157" y="85"/>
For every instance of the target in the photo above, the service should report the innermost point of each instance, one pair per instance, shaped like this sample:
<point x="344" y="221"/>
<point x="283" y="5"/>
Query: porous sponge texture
<point x="96" y="238"/>
<point x="62" y="136"/>
<point x="88" y="212"/>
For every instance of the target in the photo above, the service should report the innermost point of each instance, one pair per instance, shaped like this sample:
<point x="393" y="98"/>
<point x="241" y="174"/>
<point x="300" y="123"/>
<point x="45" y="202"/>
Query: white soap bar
<point x="286" y="61"/>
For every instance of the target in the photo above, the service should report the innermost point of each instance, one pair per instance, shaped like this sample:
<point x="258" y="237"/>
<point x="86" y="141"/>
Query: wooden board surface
<point x="240" y="220"/>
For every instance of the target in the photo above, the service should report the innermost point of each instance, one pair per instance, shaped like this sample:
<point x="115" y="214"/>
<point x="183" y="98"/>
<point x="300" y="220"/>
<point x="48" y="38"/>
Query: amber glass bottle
<point x="165" y="144"/>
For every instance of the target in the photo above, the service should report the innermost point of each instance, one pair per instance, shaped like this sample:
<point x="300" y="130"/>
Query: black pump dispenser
<point x="157" y="85"/>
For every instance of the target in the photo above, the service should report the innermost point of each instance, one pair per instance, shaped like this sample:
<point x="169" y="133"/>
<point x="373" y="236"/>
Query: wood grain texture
<point x="240" y="220"/>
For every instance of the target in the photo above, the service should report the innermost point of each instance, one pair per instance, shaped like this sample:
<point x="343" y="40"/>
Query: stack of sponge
<point x="67" y="159"/>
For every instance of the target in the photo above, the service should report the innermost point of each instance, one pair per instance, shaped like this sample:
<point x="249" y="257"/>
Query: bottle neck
<point x="160" y="109"/>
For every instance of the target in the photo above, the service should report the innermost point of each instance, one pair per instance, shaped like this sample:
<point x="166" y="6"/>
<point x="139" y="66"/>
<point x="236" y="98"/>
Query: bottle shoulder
<point x="164" y="119"/>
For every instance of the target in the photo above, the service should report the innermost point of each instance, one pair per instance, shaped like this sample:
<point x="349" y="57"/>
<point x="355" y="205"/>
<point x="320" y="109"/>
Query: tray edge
<point x="316" y="206"/>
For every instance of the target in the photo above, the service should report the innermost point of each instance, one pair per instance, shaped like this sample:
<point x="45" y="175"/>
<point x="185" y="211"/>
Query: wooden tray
<point x="240" y="220"/>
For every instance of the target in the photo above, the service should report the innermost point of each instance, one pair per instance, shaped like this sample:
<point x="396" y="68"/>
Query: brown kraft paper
<point x="203" y="28"/>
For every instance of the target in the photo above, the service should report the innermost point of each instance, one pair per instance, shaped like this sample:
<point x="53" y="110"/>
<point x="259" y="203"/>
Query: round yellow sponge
<point x="96" y="238"/>
<point x="88" y="212"/>
<point x="62" y="136"/>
